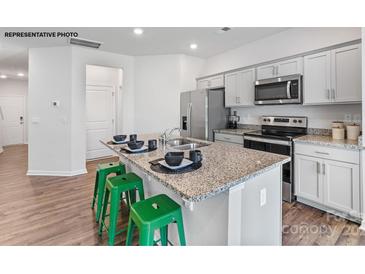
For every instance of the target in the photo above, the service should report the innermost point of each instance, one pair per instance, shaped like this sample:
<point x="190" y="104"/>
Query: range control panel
<point x="285" y="121"/>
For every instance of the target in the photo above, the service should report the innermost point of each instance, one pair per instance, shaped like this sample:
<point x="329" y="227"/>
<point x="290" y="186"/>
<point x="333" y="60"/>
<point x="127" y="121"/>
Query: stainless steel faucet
<point x="165" y="136"/>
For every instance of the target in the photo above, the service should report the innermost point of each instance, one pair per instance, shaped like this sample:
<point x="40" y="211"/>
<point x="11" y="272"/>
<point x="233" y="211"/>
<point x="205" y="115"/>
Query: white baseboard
<point x="56" y="173"/>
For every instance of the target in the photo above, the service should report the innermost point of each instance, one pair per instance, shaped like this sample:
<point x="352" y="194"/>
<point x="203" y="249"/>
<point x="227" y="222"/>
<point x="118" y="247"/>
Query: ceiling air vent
<point x="223" y="30"/>
<point x="85" y="43"/>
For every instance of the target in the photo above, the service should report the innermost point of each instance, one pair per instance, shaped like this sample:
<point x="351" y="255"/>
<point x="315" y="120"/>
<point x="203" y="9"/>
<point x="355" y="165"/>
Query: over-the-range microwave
<point x="279" y="90"/>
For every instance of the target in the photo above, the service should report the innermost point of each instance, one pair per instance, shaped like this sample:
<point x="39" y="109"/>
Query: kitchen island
<point x="233" y="199"/>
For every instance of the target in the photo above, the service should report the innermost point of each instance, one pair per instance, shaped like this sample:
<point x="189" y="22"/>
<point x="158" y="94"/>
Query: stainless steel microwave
<point x="280" y="90"/>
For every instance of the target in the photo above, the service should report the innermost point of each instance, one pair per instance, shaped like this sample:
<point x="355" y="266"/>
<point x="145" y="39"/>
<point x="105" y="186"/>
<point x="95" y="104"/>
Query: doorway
<point x="103" y="88"/>
<point x="12" y="111"/>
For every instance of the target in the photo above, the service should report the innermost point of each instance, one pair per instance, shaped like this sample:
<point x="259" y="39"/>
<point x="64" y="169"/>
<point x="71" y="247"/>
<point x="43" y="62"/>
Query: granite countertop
<point x="325" y="140"/>
<point x="224" y="166"/>
<point x="236" y="131"/>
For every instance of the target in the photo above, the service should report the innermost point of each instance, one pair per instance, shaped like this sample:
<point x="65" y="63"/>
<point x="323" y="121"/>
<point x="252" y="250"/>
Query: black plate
<point x="157" y="167"/>
<point x="136" y="152"/>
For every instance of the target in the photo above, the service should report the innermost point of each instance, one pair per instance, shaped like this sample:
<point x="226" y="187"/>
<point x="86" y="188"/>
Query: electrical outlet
<point x="357" y="118"/>
<point x="263" y="197"/>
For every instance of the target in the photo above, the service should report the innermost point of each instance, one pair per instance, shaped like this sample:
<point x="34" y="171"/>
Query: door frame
<point x="24" y="116"/>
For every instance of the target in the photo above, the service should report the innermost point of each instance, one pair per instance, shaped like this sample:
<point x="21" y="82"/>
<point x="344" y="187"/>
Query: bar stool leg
<point x="95" y="189"/>
<point x="114" y="211"/>
<point x="180" y="229"/>
<point x="146" y="236"/>
<point x="129" y="239"/>
<point x="163" y="235"/>
<point x="101" y="190"/>
<point x="105" y="207"/>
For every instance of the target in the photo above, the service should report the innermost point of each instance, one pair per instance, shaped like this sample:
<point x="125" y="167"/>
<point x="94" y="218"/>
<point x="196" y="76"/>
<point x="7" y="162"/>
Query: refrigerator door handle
<point x="189" y="118"/>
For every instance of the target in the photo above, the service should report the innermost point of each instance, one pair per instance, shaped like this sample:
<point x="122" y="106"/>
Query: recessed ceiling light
<point x="3" y="76"/>
<point x="138" y="31"/>
<point x="193" y="46"/>
<point x="20" y="74"/>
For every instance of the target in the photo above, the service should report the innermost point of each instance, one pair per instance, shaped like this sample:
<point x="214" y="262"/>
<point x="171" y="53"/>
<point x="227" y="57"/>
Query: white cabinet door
<point x="267" y="71"/>
<point x="246" y="87"/>
<point x="283" y="68"/>
<point x="346" y="74"/>
<point x="289" y="67"/>
<point x="308" y="179"/>
<point x="230" y="92"/>
<point x="203" y="84"/>
<point x="216" y="81"/>
<point x="341" y="186"/>
<point x="211" y="82"/>
<point x="239" y="88"/>
<point x="317" y="75"/>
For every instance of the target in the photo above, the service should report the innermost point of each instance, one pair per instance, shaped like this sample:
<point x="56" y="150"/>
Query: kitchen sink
<point x="185" y="144"/>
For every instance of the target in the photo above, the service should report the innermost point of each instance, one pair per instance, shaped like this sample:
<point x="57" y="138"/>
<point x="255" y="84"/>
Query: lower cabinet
<point x="228" y="138"/>
<point x="330" y="183"/>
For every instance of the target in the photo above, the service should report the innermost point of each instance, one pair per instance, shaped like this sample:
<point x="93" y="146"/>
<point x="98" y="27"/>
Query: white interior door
<point x="12" y="119"/>
<point x="100" y="113"/>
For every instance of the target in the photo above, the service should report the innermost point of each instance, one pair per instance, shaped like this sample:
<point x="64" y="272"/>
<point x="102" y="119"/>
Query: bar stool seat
<point x="156" y="212"/>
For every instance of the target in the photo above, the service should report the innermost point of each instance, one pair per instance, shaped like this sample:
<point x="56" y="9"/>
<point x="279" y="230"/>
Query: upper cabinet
<point x="211" y="82"/>
<point x="333" y="76"/>
<point x="283" y="68"/>
<point x="239" y="88"/>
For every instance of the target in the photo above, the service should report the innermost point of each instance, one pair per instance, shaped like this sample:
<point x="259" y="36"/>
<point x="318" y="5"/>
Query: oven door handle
<point x="265" y="140"/>
<point x="288" y="85"/>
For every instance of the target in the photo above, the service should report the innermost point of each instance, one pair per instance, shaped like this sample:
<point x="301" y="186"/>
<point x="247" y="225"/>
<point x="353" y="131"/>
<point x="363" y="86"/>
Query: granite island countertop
<point x="223" y="166"/>
<point x="325" y="140"/>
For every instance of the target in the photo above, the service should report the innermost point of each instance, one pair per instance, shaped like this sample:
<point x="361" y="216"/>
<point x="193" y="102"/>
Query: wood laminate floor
<point x="43" y="210"/>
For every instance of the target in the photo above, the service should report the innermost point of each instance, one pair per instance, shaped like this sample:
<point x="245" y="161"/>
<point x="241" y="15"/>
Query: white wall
<point x="49" y="127"/>
<point x="13" y="87"/>
<point x="159" y="80"/>
<point x="291" y="42"/>
<point x="318" y="116"/>
<point x="57" y="144"/>
<point x="80" y="58"/>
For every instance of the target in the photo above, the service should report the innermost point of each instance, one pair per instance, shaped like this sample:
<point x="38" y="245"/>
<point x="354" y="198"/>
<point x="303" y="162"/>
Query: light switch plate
<point x="263" y="197"/>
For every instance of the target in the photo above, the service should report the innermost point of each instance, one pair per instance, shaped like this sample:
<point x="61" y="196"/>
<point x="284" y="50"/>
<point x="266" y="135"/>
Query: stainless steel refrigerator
<point x="202" y="111"/>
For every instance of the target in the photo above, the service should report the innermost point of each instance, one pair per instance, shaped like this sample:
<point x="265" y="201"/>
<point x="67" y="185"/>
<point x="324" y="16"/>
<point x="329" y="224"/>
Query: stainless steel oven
<point x="280" y="90"/>
<point x="276" y="136"/>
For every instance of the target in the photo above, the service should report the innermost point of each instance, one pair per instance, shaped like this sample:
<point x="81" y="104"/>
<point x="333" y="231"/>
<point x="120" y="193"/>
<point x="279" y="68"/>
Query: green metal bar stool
<point x="101" y="174"/>
<point x="115" y="186"/>
<point x="156" y="212"/>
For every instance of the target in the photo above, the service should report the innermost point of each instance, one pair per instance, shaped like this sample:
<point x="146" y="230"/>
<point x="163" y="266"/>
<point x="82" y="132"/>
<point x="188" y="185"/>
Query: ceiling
<point x="14" y="61"/>
<point x="153" y="41"/>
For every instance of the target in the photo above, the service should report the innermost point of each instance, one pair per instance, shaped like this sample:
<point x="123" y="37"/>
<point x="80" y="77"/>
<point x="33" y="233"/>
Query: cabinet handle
<point x="320" y="152"/>
<point x="318" y="168"/>
<point x="324" y="169"/>
<point x="277" y="70"/>
<point x="328" y="94"/>
<point x="333" y="94"/>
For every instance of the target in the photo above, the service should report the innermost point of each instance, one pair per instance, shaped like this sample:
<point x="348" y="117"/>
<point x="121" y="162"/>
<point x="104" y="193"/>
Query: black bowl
<point x="174" y="158"/>
<point x="119" y="138"/>
<point x="135" y="144"/>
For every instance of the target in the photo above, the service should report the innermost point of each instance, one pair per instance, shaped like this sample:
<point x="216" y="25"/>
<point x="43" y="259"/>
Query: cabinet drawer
<point x="330" y="153"/>
<point x="230" y="138"/>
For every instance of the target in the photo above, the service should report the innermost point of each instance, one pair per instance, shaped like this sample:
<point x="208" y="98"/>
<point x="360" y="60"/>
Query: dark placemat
<point x="155" y="166"/>
<point x="122" y="149"/>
